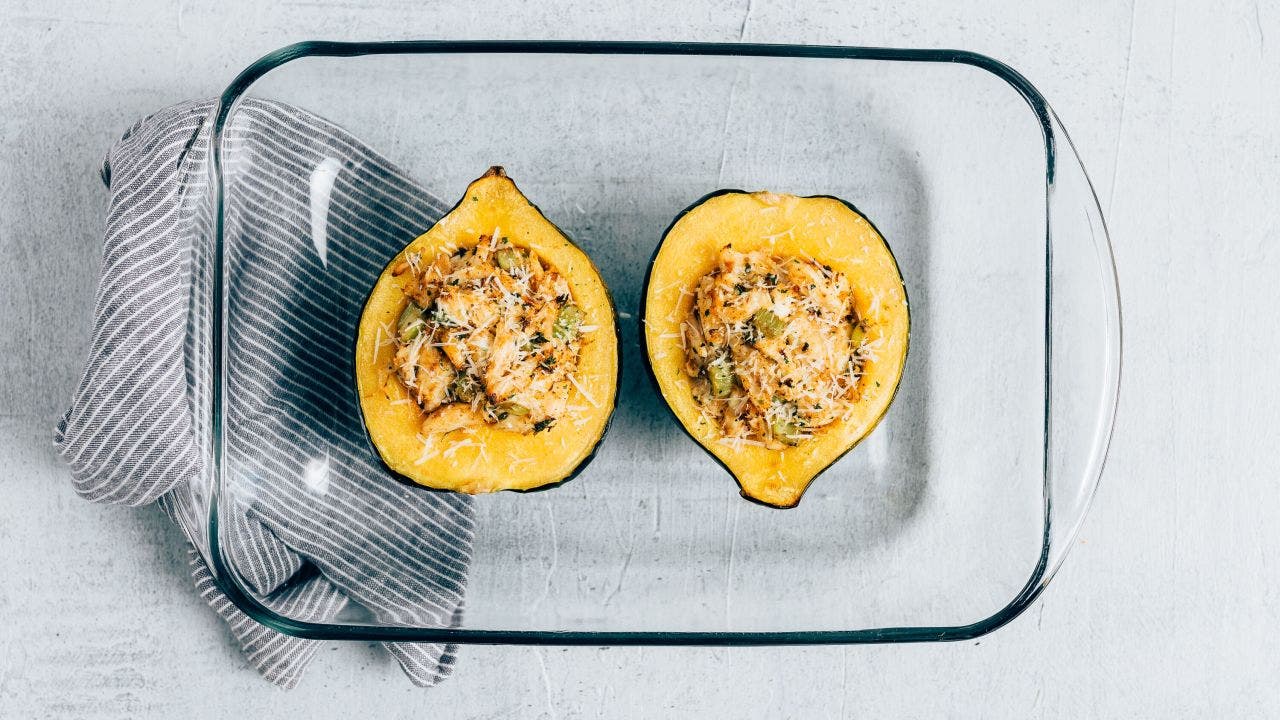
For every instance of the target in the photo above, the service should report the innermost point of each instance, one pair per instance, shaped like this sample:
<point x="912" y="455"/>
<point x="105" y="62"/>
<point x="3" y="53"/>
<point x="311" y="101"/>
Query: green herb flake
<point x="464" y="387"/>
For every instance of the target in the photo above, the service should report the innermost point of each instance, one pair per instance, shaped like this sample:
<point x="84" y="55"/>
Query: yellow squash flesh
<point x="823" y="228"/>
<point x="489" y="459"/>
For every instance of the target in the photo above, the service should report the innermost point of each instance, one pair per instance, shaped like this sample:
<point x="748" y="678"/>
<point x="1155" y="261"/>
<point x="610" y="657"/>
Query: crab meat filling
<point x="774" y="347"/>
<point x="487" y="336"/>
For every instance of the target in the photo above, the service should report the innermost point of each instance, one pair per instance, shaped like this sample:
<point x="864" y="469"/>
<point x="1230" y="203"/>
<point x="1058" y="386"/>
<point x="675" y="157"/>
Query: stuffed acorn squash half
<point x="775" y="328"/>
<point x="487" y="357"/>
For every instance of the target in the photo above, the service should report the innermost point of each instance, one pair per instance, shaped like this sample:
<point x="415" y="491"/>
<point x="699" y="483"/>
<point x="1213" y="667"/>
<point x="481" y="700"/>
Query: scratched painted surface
<point x="1166" y="608"/>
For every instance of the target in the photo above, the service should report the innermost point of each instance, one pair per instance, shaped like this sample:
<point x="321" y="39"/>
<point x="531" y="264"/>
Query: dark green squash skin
<point x="657" y="387"/>
<point x="604" y="432"/>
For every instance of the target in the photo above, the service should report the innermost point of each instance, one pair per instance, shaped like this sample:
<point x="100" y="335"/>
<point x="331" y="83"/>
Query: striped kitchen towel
<point x="315" y="525"/>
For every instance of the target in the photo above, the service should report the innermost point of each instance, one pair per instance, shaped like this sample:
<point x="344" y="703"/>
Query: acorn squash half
<point x="489" y="458"/>
<point x="824" y="229"/>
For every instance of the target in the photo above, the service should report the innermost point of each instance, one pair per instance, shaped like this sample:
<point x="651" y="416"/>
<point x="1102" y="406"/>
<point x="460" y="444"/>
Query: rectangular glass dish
<point x="944" y="524"/>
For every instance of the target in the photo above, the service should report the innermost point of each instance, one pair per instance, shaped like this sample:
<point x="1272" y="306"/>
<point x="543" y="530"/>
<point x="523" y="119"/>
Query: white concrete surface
<point x="1169" y="607"/>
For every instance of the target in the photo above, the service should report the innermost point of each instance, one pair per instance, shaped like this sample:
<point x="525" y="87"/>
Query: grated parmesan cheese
<point x="784" y="328"/>
<point x="487" y="340"/>
<point x="586" y="395"/>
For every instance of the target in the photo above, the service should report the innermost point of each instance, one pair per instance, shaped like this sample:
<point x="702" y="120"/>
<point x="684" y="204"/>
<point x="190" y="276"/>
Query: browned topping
<point x="487" y="335"/>
<point x="775" y="347"/>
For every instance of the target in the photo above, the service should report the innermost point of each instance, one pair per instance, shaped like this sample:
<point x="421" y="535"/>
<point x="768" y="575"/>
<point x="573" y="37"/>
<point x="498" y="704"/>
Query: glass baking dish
<point x="945" y="524"/>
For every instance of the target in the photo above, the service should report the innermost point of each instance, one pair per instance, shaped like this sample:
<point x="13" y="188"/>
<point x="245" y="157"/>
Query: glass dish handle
<point x="1083" y="348"/>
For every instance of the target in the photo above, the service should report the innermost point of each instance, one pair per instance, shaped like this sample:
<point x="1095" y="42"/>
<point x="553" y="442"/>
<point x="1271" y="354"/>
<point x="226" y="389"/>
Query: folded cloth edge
<point x="140" y="163"/>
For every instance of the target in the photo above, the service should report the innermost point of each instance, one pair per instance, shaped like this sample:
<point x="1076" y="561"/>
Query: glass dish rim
<point x="1045" y="567"/>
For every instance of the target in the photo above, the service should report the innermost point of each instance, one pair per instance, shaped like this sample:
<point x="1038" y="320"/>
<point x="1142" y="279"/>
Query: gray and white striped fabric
<point x="317" y="523"/>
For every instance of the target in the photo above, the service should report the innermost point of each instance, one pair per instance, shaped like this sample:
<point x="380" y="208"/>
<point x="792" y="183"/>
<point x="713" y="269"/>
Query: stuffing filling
<point x="488" y="336"/>
<point x="774" y="347"/>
